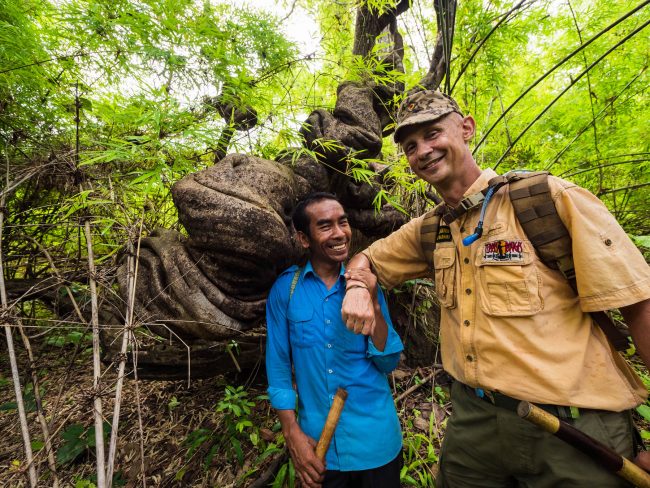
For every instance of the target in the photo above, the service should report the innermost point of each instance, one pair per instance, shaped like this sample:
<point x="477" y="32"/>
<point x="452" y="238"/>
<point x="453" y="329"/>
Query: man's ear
<point x="303" y="239"/>
<point x="469" y="128"/>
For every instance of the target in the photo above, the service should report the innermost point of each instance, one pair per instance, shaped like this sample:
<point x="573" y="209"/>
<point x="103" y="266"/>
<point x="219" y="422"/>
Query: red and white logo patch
<point x="504" y="251"/>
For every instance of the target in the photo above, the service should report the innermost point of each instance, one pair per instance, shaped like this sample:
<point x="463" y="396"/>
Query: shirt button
<point x="468" y="291"/>
<point x="468" y="357"/>
<point x="327" y="299"/>
<point x="466" y="260"/>
<point x="330" y="371"/>
<point x="329" y="346"/>
<point x="327" y="321"/>
<point x="466" y="323"/>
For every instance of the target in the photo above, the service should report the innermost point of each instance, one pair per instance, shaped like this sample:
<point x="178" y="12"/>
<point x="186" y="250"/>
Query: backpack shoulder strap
<point x="535" y="210"/>
<point x="429" y="234"/>
<point x="294" y="282"/>
<point x="292" y="289"/>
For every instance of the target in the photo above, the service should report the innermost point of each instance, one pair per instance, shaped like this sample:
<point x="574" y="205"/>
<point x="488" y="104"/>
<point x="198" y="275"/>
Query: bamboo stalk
<point x="503" y="18"/>
<point x="126" y="340"/>
<point x="603" y="455"/>
<point x="97" y="401"/>
<point x="47" y="440"/>
<point x="120" y="376"/>
<point x="568" y="87"/>
<point x="135" y="364"/>
<point x="140" y="426"/>
<point x="556" y="66"/>
<point x="24" y="428"/>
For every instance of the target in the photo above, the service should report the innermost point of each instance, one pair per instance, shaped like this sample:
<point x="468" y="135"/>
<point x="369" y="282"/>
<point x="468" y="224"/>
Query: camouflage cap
<point x="423" y="106"/>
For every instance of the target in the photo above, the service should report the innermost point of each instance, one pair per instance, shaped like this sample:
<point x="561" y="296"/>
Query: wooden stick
<point x="603" y="455"/>
<point x="24" y="429"/>
<point x="330" y="423"/>
<point x="425" y="380"/>
<point x="97" y="401"/>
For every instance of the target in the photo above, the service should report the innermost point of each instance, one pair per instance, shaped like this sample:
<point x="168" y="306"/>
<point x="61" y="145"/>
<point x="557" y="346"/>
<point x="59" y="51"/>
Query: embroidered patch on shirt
<point x="504" y="251"/>
<point x="444" y="234"/>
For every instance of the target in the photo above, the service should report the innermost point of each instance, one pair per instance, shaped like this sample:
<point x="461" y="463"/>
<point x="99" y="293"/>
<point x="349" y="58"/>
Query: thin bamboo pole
<point x="24" y="428"/>
<point x="47" y="439"/>
<point x="568" y="87"/>
<point x="97" y="401"/>
<point x="135" y="362"/>
<point x="126" y="340"/>
<point x="556" y="66"/>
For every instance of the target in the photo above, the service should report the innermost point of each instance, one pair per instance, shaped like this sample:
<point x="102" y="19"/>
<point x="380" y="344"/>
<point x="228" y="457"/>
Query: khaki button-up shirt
<point x="511" y="324"/>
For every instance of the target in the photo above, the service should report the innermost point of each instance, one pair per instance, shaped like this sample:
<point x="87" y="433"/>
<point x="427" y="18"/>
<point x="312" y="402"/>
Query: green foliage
<point x="81" y="483"/>
<point x="592" y="133"/>
<point x="286" y="477"/>
<point x="139" y="83"/>
<point x="237" y="408"/>
<point x="76" y="440"/>
<point x="419" y="456"/>
<point x="145" y="79"/>
<point x="236" y="430"/>
<point x="73" y="337"/>
<point x="29" y="399"/>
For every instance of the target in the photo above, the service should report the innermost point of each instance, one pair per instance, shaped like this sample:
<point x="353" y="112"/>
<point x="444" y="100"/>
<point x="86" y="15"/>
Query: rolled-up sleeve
<point x="278" y="351"/>
<point x="610" y="270"/>
<point x="386" y="360"/>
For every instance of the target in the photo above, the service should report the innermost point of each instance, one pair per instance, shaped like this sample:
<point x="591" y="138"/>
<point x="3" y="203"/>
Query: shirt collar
<point x="310" y="269"/>
<point x="481" y="182"/>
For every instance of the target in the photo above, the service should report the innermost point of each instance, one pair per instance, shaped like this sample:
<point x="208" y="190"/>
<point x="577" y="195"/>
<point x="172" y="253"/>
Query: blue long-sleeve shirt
<point x="308" y="330"/>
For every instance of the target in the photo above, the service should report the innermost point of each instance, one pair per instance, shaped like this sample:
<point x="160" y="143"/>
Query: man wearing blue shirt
<point x="305" y="329"/>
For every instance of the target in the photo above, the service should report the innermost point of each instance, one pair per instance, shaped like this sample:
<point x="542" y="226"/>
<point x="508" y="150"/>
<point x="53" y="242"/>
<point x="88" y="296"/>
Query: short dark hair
<point x="299" y="216"/>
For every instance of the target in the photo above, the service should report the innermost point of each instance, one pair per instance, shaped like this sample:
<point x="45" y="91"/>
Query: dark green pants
<point x="488" y="446"/>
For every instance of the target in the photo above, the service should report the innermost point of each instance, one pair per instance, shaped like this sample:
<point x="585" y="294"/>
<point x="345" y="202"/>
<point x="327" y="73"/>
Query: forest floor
<point x="218" y="432"/>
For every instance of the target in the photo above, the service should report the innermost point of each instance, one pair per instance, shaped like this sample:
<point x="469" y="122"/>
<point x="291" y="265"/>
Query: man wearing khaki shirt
<point x="512" y="328"/>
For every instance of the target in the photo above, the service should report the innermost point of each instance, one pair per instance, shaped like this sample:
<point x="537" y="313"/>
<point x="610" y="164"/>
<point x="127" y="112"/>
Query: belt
<point x="504" y="401"/>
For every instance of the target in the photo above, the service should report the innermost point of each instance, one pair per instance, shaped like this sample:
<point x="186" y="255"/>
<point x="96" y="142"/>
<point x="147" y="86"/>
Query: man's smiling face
<point x="437" y="151"/>
<point x="329" y="232"/>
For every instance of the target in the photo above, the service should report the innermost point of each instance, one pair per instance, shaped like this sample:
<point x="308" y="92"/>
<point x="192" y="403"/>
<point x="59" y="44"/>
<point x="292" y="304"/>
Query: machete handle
<point x="599" y="452"/>
<point x="330" y="424"/>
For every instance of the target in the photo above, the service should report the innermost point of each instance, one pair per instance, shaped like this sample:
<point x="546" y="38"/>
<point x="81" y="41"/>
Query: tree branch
<point x="440" y="61"/>
<point x="369" y="25"/>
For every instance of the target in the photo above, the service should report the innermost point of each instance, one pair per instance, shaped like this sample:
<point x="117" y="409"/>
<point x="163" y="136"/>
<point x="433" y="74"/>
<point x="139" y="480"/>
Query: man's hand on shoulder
<point x="302" y="448"/>
<point x="362" y="277"/>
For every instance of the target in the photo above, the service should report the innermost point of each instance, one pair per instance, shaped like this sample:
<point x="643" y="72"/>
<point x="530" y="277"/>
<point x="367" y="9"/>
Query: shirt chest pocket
<point x="302" y="331"/>
<point x="444" y="260"/>
<point x="508" y="287"/>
